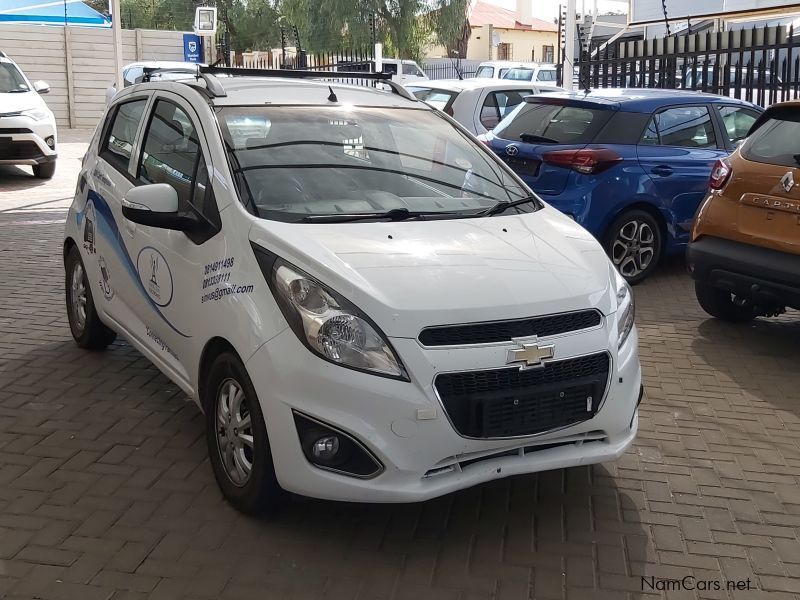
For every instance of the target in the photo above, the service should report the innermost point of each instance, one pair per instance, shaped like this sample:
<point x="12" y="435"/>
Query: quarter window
<point x="737" y="120"/>
<point x="685" y="127"/>
<point x="118" y="143"/>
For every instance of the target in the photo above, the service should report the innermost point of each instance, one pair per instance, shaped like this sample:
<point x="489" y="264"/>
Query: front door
<point x="678" y="151"/>
<point x="171" y="265"/>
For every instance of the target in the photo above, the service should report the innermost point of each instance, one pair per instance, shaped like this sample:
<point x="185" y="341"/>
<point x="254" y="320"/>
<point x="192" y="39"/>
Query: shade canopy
<point x="51" y="12"/>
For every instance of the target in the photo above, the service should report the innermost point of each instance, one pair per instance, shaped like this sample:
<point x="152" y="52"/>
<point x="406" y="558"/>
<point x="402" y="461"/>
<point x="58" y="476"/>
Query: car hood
<point x="413" y="274"/>
<point x="16" y="102"/>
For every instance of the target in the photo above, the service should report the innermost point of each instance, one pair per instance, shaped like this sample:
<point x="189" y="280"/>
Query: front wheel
<point x="723" y="305"/>
<point x="238" y="446"/>
<point x="634" y="244"/>
<point x="44" y="170"/>
<point x="84" y="323"/>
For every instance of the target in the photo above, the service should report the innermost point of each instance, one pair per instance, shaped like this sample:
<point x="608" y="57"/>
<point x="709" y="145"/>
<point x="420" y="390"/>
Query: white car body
<point x="497" y="69"/>
<point x="535" y="72"/>
<point x="28" y="134"/>
<point x="133" y="72"/>
<point x="178" y="301"/>
<point x="478" y="104"/>
<point x="403" y="71"/>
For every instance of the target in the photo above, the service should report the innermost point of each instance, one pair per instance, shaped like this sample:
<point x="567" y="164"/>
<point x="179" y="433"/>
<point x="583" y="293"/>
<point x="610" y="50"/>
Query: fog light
<point x="51" y="142"/>
<point x="326" y="448"/>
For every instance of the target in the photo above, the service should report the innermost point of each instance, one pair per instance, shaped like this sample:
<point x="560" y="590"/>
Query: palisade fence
<point x="760" y="65"/>
<point x="445" y="68"/>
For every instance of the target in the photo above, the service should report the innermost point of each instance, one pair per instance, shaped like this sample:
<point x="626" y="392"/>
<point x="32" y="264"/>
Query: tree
<point x="405" y="26"/>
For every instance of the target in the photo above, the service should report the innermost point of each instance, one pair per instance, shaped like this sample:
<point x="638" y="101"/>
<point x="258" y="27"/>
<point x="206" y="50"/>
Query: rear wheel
<point x="724" y="305"/>
<point x="86" y="327"/>
<point x="238" y="446"/>
<point x="44" y="170"/>
<point x="634" y="243"/>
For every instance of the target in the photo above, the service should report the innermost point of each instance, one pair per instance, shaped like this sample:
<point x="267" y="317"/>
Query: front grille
<point x="510" y="402"/>
<point x="503" y="331"/>
<point x="10" y="130"/>
<point x="18" y="150"/>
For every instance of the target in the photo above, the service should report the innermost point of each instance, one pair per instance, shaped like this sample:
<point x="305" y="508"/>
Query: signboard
<point x="192" y="48"/>
<point x="652" y="11"/>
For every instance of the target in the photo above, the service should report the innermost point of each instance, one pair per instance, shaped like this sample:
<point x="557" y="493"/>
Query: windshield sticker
<point x="155" y="275"/>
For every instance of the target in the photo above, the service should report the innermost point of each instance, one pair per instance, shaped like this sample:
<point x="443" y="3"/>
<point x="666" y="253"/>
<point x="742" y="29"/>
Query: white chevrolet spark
<point x="366" y="303"/>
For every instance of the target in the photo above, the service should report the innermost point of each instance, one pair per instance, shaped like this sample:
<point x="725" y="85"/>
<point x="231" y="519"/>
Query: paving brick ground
<point x="106" y="491"/>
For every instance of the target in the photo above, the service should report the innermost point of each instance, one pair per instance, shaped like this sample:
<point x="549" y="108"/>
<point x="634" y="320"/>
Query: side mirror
<point x="41" y="86"/>
<point x="156" y="205"/>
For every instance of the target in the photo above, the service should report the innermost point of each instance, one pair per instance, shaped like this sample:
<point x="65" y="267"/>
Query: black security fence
<point x="445" y="68"/>
<point x="761" y="65"/>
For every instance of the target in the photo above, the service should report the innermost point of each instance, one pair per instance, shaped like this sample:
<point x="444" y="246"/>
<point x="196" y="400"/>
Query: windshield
<point x="440" y="99"/>
<point x="484" y="72"/>
<point x="519" y="74"/>
<point x="11" y="80"/>
<point x="292" y="162"/>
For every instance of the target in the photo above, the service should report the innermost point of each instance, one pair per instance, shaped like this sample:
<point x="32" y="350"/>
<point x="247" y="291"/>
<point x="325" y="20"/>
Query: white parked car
<point x="478" y="104"/>
<point x="134" y="72"/>
<point x="539" y="73"/>
<point x="28" y="133"/>
<point x="401" y="70"/>
<point x="497" y="69"/>
<point x="367" y="304"/>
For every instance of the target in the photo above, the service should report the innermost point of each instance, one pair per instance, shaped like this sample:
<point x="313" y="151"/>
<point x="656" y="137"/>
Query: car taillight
<point x="719" y="175"/>
<point x="587" y="161"/>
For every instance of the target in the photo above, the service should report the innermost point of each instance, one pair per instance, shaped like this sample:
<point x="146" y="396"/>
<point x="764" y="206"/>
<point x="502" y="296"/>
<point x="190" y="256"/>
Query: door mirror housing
<point x="156" y="205"/>
<point x="41" y="87"/>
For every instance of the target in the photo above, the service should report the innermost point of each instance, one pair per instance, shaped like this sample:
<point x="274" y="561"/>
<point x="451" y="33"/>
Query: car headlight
<point x="37" y="114"/>
<point x="626" y="310"/>
<point x="328" y="324"/>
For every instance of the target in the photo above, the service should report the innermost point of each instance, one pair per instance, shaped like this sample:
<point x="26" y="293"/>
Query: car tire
<point x="44" y="170"/>
<point x="236" y="435"/>
<point x="84" y="323"/>
<point x="634" y="244"/>
<point x="721" y="304"/>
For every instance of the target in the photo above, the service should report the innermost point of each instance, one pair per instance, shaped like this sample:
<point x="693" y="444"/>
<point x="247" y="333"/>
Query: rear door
<point x="107" y="256"/>
<point x="769" y="196"/>
<point x="678" y="149"/>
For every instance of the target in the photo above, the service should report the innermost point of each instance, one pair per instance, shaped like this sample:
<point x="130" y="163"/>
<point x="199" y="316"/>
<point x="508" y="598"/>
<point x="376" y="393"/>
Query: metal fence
<point x="446" y="69"/>
<point x="760" y="65"/>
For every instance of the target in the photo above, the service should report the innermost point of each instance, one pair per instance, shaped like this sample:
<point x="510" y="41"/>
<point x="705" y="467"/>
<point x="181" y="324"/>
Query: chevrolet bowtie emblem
<point x="531" y="354"/>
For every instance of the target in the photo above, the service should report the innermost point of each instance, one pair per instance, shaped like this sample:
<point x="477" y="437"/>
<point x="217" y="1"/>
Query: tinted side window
<point x="776" y="141"/>
<point x="737" y="120"/>
<point x="684" y="126"/>
<point x="484" y="72"/>
<point x="390" y="68"/>
<point x="171" y="151"/>
<point x="498" y="104"/>
<point x="409" y="69"/>
<point x="118" y="143"/>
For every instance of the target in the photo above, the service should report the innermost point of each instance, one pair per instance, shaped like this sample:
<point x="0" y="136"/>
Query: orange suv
<point x="744" y="253"/>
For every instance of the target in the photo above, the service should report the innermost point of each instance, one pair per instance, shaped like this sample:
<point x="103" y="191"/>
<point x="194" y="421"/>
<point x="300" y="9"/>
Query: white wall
<point x="78" y="63"/>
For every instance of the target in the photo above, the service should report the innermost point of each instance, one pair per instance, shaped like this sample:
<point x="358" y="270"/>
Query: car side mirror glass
<point x="156" y="205"/>
<point x="41" y="86"/>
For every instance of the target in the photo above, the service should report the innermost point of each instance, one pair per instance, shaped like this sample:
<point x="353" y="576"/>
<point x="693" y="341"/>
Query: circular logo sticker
<point x="155" y="275"/>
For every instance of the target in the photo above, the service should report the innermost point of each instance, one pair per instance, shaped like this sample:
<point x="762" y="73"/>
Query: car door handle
<point x="661" y="170"/>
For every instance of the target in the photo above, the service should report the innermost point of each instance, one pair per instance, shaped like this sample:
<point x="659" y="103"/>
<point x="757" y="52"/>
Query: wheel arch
<point x="213" y="348"/>
<point x="68" y="245"/>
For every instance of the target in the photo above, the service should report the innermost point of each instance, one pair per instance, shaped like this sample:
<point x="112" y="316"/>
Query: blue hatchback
<point x="630" y="165"/>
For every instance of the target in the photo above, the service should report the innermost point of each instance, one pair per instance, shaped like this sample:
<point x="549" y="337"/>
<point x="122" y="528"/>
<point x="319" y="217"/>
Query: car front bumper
<point x="760" y="274"/>
<point x="404" y="425"/>
<point x="23" y="141"/>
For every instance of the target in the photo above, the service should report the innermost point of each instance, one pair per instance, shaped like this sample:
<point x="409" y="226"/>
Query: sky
<point x="548" y="9"/>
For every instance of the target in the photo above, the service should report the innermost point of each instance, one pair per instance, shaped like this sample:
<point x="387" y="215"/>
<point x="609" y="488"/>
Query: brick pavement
<point x="105" y="490"/>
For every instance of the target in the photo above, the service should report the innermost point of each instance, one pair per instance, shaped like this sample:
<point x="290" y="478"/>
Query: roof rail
<point x="213" y="88"/>
<point x="385" y="78"/>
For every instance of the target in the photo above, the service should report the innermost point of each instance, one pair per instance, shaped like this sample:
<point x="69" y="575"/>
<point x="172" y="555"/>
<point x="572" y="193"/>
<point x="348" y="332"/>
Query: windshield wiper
<point x="532" y="138"/>
<point x="503" y="205"/>
<point x="395" y="214"/>
<point x="17" y="91"/>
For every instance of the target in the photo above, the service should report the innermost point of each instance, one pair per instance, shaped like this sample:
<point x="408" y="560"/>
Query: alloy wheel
<point x="634" y="248"/>
<point x="78" y="297"/>
<point x="234" y="432"/>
